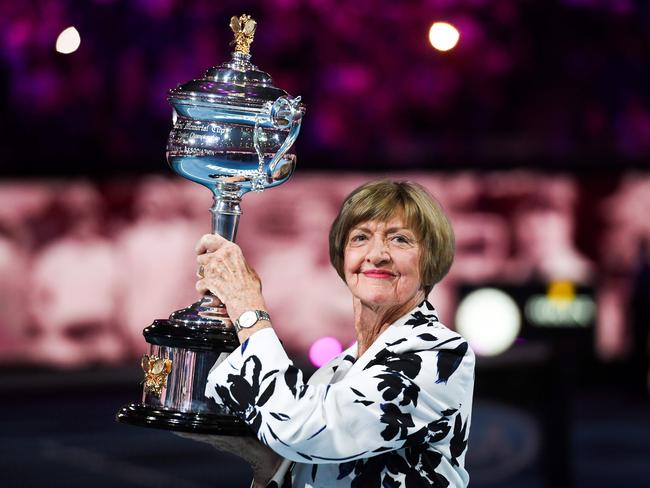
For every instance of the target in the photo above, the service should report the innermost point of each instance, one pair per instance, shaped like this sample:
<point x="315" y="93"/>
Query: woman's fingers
<point x="226" y="262"/>
<point x="217" y="252"/>
<point x="202" y="287"/>
<point x="194" y="437"/>
<point x="206" y="258"/>
<point x="221" y="442"/>
<point x="222" y="270"/>
<point x="210" y="243"/>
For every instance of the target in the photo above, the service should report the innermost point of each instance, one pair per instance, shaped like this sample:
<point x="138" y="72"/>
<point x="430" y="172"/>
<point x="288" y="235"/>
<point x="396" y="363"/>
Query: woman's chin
<point x="378" y="300"/>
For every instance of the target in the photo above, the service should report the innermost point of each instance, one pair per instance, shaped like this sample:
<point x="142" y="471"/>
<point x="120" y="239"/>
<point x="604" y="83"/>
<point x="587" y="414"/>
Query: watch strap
<point x="259" y="315"/>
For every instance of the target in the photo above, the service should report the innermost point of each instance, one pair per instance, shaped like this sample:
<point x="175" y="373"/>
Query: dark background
<point x="553" y="84"/>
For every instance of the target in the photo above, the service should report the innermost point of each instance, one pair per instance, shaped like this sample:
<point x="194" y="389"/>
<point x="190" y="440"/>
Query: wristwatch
<point x="249" y="318"/>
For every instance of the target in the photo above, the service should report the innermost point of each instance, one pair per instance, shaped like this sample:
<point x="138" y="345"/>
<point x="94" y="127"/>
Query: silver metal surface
<point x="233" y="132"/>
<point x="185" y="389"/>
<point x="202" y="314"/>
<point x="236" y="83"/>
<point x="233" y="127"/>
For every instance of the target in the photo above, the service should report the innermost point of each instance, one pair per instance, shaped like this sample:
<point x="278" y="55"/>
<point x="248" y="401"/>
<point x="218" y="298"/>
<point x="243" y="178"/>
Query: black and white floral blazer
<point x="398" y="416"/>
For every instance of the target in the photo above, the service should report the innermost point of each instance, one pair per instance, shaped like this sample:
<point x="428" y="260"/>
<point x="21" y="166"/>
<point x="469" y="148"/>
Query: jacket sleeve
<point x="398" y="398"/>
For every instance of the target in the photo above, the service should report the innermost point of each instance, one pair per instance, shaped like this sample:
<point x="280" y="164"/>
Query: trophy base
<point x="183" y="351"/>
<point x="196" y="423"/>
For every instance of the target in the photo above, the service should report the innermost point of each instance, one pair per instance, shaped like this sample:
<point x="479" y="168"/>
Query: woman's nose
<point x="378" y="252"/>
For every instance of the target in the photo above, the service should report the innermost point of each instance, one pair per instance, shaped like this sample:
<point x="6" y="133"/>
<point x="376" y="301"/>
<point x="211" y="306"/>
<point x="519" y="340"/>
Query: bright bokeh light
<point x="490" y="321"/>
<point x="323" y="350"/>
<point x="561" y="291"/>
<point x="443" y="36"/>
<point x="68" y="41"/>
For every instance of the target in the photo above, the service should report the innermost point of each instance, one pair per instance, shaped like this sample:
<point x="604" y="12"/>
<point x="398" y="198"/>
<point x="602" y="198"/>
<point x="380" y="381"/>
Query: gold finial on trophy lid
<point x="244" y="29"/>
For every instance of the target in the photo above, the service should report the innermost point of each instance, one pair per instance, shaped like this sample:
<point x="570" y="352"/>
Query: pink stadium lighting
<point x="443" y="36"/>
<point x="323" y="350"/>
<point x="68" y="41"/>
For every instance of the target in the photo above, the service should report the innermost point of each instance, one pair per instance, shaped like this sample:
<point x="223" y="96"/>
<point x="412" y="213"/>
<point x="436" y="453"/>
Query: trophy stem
<point x="225" y="214"/>
<point x="225" y="220"/>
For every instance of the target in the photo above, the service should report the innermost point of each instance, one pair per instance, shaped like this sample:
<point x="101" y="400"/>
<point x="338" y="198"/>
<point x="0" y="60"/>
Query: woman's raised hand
<point x="225" y="273"/>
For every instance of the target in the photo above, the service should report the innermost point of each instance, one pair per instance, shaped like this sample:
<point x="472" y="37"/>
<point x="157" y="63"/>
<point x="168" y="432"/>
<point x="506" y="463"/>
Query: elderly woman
<point x="391" y="411"/>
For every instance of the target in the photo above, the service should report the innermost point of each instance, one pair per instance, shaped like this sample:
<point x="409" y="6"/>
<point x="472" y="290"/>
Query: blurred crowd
<point x="85" y="266"/>
<point x="529" y="83"/>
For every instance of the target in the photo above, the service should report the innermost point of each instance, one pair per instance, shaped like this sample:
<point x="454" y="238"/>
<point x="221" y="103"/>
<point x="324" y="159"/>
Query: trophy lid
<point x="237" y="82"/>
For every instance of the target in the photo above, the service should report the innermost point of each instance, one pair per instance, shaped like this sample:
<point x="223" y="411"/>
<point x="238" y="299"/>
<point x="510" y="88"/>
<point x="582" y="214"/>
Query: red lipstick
<point x="378" y="273"/>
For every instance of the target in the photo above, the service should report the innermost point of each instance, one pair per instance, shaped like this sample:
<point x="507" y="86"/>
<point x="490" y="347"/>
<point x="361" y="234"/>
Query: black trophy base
<point x="197" y="423"/>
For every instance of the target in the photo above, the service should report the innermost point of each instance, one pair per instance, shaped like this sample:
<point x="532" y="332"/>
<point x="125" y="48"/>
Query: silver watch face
<point x="247" y="319"/>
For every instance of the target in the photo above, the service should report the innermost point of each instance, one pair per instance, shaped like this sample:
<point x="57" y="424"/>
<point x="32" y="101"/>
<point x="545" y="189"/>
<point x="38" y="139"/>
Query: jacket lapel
<point x="393" y="333"/>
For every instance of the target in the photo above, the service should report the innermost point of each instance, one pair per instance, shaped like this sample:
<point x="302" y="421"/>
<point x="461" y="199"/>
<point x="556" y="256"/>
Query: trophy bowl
<point x="233" y="132"/>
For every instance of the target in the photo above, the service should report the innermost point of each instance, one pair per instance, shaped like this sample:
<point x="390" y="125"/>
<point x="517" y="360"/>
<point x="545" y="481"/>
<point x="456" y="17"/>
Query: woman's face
<point x="382" y="263"/>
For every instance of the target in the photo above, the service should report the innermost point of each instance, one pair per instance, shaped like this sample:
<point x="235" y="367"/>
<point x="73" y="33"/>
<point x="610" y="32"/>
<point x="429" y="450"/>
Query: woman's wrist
<point x="236" y="309"/>
<point x="244" y="334"/>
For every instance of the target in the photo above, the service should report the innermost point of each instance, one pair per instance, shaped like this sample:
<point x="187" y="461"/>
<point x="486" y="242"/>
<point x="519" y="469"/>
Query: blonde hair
<point x="383" y="199"/>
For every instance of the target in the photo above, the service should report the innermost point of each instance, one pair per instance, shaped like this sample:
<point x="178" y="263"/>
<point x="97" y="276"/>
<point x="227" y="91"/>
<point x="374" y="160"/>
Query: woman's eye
<point x="358" y="238"/>
<point x="401" y="239"/>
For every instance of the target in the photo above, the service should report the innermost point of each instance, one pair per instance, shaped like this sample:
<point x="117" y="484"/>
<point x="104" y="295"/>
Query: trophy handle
<point x="284" y="113"/>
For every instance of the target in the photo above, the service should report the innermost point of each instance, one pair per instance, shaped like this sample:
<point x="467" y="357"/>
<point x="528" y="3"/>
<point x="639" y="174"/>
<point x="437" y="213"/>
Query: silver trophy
<point x="233" y="131"/>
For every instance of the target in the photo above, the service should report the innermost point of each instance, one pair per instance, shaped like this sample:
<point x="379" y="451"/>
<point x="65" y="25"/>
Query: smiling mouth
<point x="377" y="273"/>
